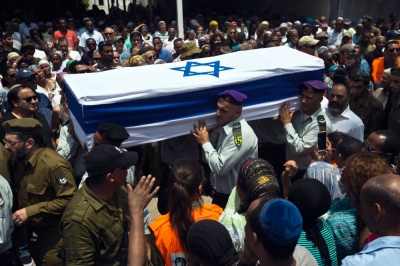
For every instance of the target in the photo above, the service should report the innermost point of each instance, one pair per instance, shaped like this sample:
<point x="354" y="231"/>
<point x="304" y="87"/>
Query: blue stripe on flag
<point x="178" y="106"/>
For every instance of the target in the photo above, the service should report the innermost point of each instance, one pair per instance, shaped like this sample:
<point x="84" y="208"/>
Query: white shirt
<point x="17" y="40"/>
<point x="335" y="38"/>
<point x="303" y="257"/>
<point x="6" y="221"/>
<point x="73" y="54"/>
<point x="40" y="54"/>
<point x="347" y="122"/>
<point x="226" y="159"/>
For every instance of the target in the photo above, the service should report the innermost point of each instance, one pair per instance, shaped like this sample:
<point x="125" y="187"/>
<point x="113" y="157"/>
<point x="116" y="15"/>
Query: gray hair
<point x="245" y="46"/>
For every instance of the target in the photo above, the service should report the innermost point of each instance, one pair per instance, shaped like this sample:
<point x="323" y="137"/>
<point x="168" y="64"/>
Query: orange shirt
<point x="167" y="241"/>
<point x="71" y="37"/>
<point x="378" y="66"/>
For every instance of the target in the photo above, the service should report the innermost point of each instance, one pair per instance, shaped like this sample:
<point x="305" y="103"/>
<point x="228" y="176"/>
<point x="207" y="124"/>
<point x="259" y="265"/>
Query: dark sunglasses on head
<point x="29" y="99"/>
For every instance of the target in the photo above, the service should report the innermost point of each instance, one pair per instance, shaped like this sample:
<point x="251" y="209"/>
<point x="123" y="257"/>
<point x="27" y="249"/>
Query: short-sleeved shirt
<point x="94" y="35"/>
<point x="70" y="35"/>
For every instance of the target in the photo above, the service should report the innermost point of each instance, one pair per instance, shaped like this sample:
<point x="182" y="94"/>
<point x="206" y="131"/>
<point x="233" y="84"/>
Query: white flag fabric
<point x="164" y="101"/>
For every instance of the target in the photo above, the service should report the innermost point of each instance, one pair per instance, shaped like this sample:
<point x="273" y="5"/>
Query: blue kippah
<point x="281" y="221"/>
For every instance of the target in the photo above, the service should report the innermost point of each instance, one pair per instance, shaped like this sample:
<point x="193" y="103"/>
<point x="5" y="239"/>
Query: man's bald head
<point x="380" y="198"/>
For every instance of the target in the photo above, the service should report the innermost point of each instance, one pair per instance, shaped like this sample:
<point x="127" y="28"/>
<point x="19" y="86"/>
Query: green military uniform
<point x="394" y="116"/>
<point x="5" y="164"/>
<point x="45" y="185"/>
<point x="370" y="112"/>
<point x="92" y="228"/>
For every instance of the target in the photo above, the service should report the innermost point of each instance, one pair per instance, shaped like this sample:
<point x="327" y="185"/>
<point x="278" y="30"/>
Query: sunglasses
<point x="91" y="44"/>
<point x="394" y="50"/>
<point x="29" y="99"/>
<point x="368" y="148"/>
<point x="156" y="43"/>
<point x="11" y="76"/>
<point x="108" y="34"/>
<point x="151" y="57"/>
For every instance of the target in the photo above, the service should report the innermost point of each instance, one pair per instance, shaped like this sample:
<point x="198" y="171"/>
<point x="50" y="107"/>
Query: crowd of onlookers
<point x="290" y="190"/>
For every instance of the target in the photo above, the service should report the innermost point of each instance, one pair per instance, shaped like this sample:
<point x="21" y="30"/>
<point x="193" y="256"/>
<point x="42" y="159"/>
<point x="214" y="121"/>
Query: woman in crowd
<point x="38" y="40"/>
<point x="344" y="217"/>
<point x="192" y="37"/>
<point x="231" y="36"/>
<point x="48" y="87"/>
<point x="211" y="244"/>
<point x="217" y="37"/>
<point x="45" y="66"/>
<point x="312" y="199"/>
<point x="199" y="32"/>
<point x="162" y="31"/>
<point x="185" y="207"/>
<point x="256" y="179"/>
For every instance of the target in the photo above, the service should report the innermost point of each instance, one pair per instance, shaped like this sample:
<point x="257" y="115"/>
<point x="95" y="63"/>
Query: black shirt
<point x="37" y="115"/>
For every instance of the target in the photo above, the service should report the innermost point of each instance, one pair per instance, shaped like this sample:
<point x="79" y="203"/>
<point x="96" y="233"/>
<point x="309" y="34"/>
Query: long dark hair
<point x="184" y="180"/>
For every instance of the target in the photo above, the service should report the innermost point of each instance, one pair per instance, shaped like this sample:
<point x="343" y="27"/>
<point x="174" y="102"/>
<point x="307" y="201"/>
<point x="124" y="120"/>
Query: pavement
<point x="152" y="207"/>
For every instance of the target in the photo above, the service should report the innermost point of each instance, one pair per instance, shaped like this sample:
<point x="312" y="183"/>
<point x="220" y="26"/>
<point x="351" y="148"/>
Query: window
<point x="101" y="2"/>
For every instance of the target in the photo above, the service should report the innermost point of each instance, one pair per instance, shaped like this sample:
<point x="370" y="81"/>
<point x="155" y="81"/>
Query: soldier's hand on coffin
<point x="285" y="116"/>
<point x="200" y="132"/>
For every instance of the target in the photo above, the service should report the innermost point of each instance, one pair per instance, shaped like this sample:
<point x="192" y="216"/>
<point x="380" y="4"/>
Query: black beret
<point x="361" y="77"/>
<point x="112" y="132"/>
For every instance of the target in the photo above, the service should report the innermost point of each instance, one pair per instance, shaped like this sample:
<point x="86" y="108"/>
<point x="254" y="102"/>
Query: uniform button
<point x="84" y="202"/>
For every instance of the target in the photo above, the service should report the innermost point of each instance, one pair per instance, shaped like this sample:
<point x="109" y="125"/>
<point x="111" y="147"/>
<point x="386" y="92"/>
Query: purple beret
<point x="233" y="96"/>
<point x="314" y="86"/>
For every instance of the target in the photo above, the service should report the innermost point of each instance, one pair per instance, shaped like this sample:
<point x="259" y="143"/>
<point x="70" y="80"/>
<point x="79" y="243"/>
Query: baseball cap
<point x="307" y="40"/>
<point x="346" y="48"/>
<point x="105" y="158"/>
<point x="347" y="34"/>
<point x="116" y="38"/>
<point x="322" y="34"/>
<point x="23" y="73"/>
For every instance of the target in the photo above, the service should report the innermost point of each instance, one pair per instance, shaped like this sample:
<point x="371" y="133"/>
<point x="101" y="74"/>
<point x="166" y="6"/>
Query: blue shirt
<point x="126" y="55"/>
<point x="382" y="251"/>
<point x="164" y="55"/>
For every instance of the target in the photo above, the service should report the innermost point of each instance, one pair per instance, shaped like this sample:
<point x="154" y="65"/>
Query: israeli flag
<point x="164" y="101"/>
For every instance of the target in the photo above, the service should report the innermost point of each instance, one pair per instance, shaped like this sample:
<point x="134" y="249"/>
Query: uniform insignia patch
<point x="237" y="134"/>
<point x="62" y="180"/>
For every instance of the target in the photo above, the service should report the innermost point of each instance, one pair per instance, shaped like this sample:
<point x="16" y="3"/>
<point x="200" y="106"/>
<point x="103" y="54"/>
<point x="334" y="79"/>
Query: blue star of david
<point x="187" y="72"/>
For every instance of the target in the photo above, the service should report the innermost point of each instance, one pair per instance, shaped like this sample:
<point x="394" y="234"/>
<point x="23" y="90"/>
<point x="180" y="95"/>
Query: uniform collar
<point x="315" y="114"/>
<point x="228" y="127"/>
<point x="35" y="157"/>
<point x="97" y="202"/>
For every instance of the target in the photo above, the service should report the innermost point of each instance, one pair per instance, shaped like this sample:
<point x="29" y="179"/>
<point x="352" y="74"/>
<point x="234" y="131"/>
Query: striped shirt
<point x="327" y="234"/>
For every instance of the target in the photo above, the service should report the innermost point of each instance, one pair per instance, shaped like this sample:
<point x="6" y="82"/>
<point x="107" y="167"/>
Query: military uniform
<point x="44" y="185"/>
<point x="370" y="111"/>
<point x="394" y="116"/>
<point x="5" y="163"/>
<point x="92" y="228"/>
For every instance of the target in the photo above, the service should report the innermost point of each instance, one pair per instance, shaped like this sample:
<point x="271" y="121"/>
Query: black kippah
<point x="209" y="240"/>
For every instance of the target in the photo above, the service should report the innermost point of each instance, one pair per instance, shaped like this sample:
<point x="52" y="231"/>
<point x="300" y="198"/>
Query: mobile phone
<point x="322" y="141"/>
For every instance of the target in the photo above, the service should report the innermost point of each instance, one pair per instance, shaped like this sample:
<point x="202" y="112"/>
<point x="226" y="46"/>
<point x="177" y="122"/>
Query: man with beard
<point x="342" y="118"/>
<point x="364" y="105"/>
<point x="107" y="60"/>
<point x="44" y="184"/>
<point x="364" y="42"/>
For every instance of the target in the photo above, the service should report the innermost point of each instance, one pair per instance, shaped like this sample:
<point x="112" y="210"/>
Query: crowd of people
<point x="318" y="186"/>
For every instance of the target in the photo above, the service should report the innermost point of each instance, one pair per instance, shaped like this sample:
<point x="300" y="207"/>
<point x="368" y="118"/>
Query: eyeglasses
<point x="156" y="43"/>
<point x="108" y="33"/>
<point x="368" y="148"/>
<point x="394" y="50"/>
<point x="29" y="99"/>
<point x="9" y="143"/>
